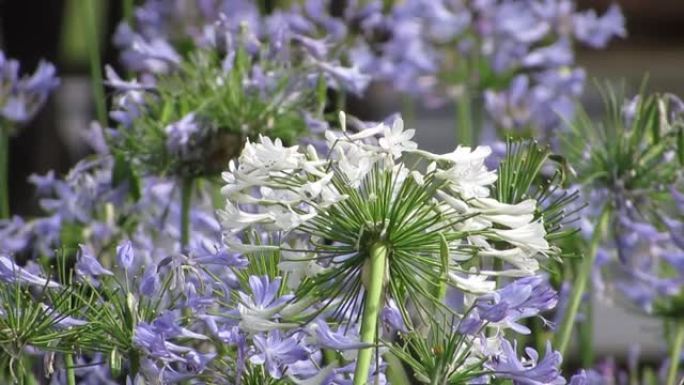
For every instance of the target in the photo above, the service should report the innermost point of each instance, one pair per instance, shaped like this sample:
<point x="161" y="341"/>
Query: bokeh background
<point x="31" y="30"/>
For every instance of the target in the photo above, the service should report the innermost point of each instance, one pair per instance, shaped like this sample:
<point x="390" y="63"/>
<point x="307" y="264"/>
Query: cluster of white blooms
<point x="273" y="188"/>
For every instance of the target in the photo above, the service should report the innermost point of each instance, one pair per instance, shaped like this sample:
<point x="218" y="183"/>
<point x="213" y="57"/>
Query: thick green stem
<point x="4" y="174"/>
<point x="579" y="288"/>
<point x="90" y="18"/>
<point x="70" y="370"/>
<point x="675" y="353"/>
<point x="371" y="310"/>
<point x="128" y="10"/>
<point x="186" y="197"/>
<point x="586" y="331"/>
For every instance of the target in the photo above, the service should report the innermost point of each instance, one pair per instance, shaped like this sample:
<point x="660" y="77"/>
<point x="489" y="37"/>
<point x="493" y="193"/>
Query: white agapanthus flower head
<point x="327" y="213"/>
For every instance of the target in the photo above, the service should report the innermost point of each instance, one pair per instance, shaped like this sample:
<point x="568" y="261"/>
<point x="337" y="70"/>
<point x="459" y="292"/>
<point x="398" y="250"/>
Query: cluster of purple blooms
<point x="641" y="257"/>
<point x="185" y="295"/>
<point x="517" y="56"/>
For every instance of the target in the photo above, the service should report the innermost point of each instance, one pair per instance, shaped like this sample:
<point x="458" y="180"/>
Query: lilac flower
<point x="523" y="298"/>
<point x="276" y="352"/>
<point x="392" y="318"/>
<point x="555" y="55"/>
<point x="125" y="254"/>
<point x="23" y="97"/>
<point x="15" y="235"/>
<point x="530" y="372"/>
<point x="264" y="299"/>
<point x="153" y="55"/>
<point x="596" y="31"/>
<point x="347" y="78"/>
<point x="155" y="345"/>
<point x="87" y="264"/>
<point x="326" y="338"/>
<point x="220" y="256"/>
<point x="166" y="324"/>
<point x="149" y="284"/>
<point x="179" y="134"/>
<point x="10" y="272"/>
<point x="43" y="80"/>
<point x="62" y="321"/>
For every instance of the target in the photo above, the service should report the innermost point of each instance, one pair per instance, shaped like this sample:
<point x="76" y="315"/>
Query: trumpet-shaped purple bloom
<point x="88" y="264"/>
<point x="326" y="338"/>
<point x="149" y="284"/>
<point x="523" y="298"/>
<point x="125" y="254"/>
<point x="531" y="371"/>
<point x="10" y="272"/>
<point x="276" y="351"/>
<point x="264" y="296"/>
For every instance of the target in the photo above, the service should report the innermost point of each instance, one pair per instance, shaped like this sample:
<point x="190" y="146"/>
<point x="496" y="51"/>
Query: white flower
<point x="312" y="190"/>
<point x="236" y="245"/>
<point x="269" y="155"/>
<point x="473" y="283"/>
<point x="523" y="261"/>
<point x="395" y="140"/>
<point x="355" y="164"/>
<point x="512" y="216"/>
<point x="467" y="172"/>
<point x="234" y="219"/>
<point x="298" y="264"/>
<point x="239" y="179"/>
<point x="530" y="237"/>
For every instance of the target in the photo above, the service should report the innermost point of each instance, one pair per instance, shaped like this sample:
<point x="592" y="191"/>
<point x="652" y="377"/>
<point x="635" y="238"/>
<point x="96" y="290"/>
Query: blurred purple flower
<point x="596" y="31"/>
<point x="22" y="97"/>
<point x="530" y="372"/>
<point x="125" y="254"/>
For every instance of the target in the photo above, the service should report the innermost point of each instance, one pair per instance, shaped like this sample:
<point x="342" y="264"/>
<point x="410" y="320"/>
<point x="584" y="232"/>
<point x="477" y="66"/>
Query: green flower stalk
<point x="371" y="308"/>
<point x="675" y="353"/>
<point x="626" y="162"/>
<point x="361" y="226"/>
<point x="90" y="22"/>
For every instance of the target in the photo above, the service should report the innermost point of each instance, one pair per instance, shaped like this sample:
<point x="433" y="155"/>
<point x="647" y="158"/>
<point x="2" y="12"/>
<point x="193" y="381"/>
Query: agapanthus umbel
<point x="633" y="165"/>
<point x="428" y="218"/>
